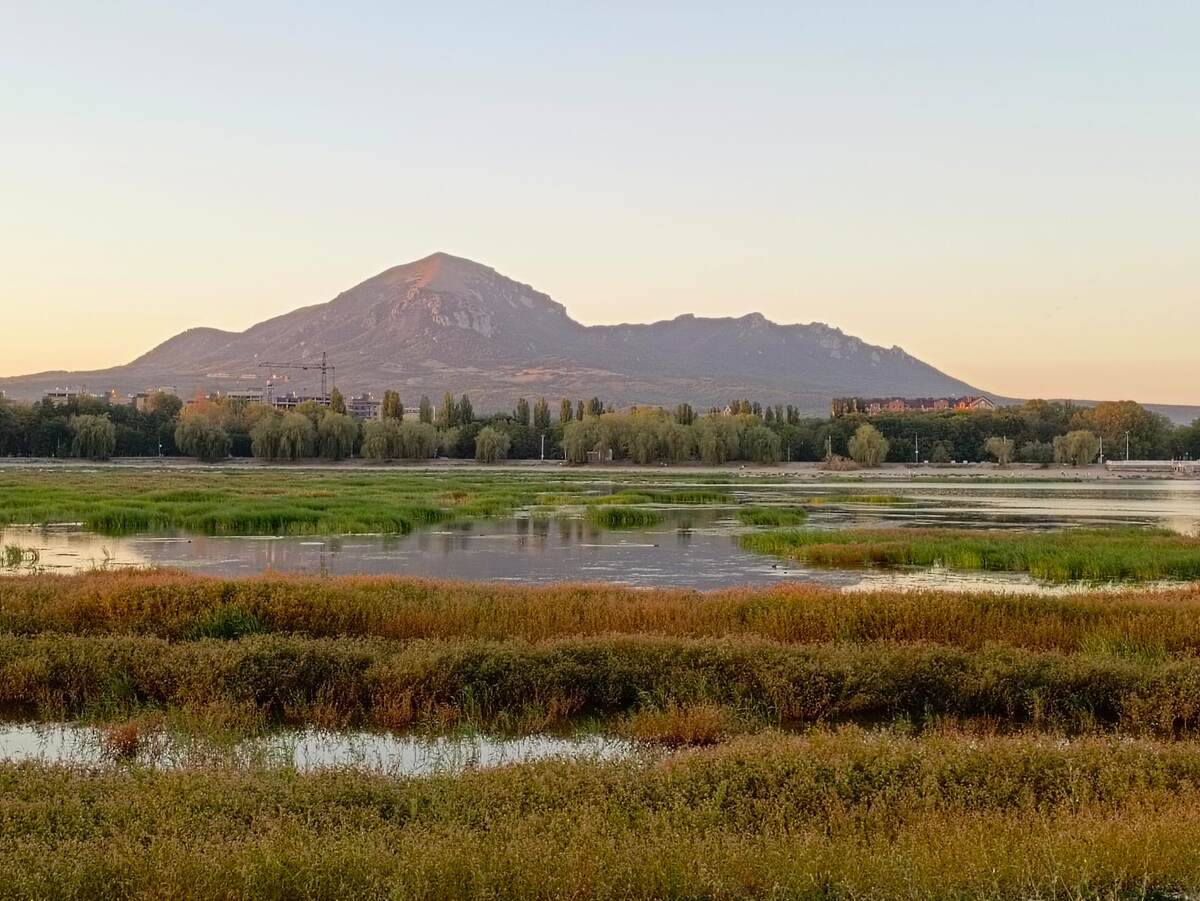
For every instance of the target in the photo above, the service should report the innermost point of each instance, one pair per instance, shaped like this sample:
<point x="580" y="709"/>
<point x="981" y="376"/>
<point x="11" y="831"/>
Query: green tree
<point x="761" y="445"/>
<point x="684" y="414"/>
<point x="203" y="439"/>
<point x="266" y="437"/>
<point x="1078" y="448"/>
<point x="381" y="439"/>
<point x="466" y="412"/>
<point x="93" y="437"/>
<point x="521" y="411"/>
<point x="425" y="410"/>
<point x="311" y="410"/>
<point x="1041" y="452"/>
<point x="580" y="410"/>
<point x="337" y="403"/>
<point x="393" y="407"/>
<point x="1000" y="449"/>
<point x="867" y="446"/>
<point x="1149" y="434"/>
<point x="337" y="435"/>
<point x="541" y="415"/>
<point x="418" y="440"/>
<point x="447" y="417"/>
<point x="565" y="413"/>
<point x="941" y="454"/>
<point x="491" y="445"/>
<point x="297" y="437"/>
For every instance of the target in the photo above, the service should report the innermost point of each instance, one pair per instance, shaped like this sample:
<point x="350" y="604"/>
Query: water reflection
<point x="306" y="750"/>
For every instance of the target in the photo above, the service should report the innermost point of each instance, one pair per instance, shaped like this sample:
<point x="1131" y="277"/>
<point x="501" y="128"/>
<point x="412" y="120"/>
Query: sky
<point x="1009" y="191"/>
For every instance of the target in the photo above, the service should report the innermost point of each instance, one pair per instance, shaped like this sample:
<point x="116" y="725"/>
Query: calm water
<point x="307" y="750"/>
<point x="694" y="547"/>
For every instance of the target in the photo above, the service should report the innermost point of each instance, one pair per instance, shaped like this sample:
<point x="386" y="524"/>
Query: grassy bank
<point x="846" y="815"/>
<point x="257" y="502"/>
<point x="1078" y="554"/>
<point x="177" y="606"/>
<point x="521" y="686"/>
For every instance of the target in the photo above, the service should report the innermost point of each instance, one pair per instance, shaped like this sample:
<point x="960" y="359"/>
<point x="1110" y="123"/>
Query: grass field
<point x="797" y="743"/>
<point x="1099" y="555"/>
<point x="847" y="814"/>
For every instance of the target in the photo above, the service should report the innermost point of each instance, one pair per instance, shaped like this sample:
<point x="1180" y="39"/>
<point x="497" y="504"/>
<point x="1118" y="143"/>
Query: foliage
<point x="92" y="437"/>
<point x="337" y="435"/>
<point x="491" y="445"/>
<point x="392" y="406"/>
<point x="1079" y="448"/>
<point x="868" y="447"/>
<point x="201" y="438"/>
<point x="1000" y="449"/>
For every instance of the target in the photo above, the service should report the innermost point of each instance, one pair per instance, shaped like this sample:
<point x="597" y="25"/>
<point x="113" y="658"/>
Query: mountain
<point x="446" y="323"/>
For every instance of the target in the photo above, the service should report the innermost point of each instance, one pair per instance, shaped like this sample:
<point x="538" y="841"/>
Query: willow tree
<point x="867" y="446"/>
<point x="336" y="435"/>
<point x="92" y="437"/>
<point x="491" y="445"/>
<point x="266" y="437"/>
<point x="202" y="438"/>
<point x="297" y="437"/>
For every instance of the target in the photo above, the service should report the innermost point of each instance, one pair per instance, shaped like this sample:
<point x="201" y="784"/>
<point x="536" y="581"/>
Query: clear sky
<point x="1010" y="191"/>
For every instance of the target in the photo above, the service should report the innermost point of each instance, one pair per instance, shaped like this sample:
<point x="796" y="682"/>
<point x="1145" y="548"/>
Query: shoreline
<point x="815" y="472"/>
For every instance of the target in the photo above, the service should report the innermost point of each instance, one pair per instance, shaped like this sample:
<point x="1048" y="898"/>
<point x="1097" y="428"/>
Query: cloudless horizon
<point x="1008" y="191"/>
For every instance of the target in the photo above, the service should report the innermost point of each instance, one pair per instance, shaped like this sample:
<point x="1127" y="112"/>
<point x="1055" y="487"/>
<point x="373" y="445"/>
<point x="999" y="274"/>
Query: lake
<point x="694" y="546"/>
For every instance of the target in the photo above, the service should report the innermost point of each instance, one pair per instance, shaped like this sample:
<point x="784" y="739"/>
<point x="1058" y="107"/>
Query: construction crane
<point x="328" y="373"/>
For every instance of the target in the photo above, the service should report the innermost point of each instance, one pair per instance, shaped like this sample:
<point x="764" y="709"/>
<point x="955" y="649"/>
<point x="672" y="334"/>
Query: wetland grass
<point x="621" y="517"/>
<point x="179" y="606"/>
<point x="775" y="517"/>
<point x="1092" y="555"/>
<point x="847" y="814"/>
<point x="529" y="687"/>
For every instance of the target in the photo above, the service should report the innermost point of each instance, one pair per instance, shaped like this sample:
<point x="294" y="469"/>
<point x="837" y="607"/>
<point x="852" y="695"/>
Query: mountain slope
<point x="446" y="323"/>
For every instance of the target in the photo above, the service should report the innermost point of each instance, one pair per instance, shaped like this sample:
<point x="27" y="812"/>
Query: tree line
<point x="578" y="430"/>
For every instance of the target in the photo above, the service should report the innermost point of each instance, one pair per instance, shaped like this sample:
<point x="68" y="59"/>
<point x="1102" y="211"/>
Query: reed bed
<point x="1094" y="555"/>
<point x="520" y="686"/>
<point x="1132" y="623"/>
<point x="840" y="815"/>
<point x="775" y="517"/>
<point x="621" y="517"/>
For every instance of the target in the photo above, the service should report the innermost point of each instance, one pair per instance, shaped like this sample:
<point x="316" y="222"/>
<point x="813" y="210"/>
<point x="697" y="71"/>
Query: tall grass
<point x="515" y="685"/>
<point x="772" y="516"/>
<point x="846" y="815"/>
<point x="618" y="517"/>
<point x="178" y="606"/>
<point x="1080" y="554"/>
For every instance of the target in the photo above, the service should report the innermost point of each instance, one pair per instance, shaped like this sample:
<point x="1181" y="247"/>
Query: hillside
<point x="446" y="323"/>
